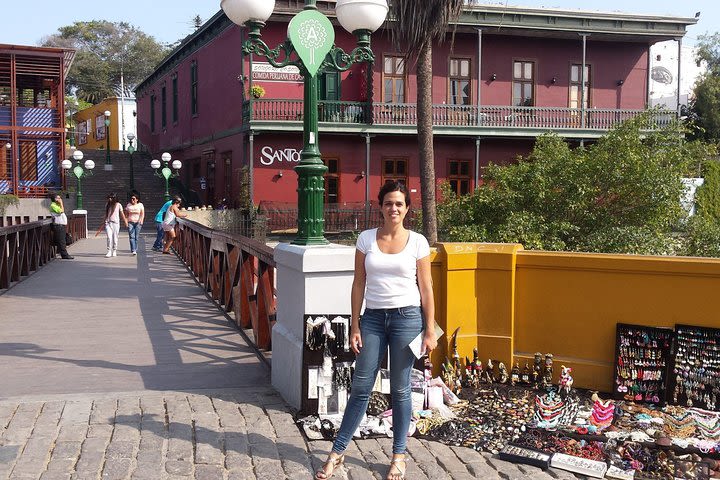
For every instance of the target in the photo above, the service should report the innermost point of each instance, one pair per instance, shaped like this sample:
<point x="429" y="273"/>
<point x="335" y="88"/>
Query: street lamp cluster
<point x="310" y="47"/>
<point x="165" y="172"/>
<point x="79" y="173"/>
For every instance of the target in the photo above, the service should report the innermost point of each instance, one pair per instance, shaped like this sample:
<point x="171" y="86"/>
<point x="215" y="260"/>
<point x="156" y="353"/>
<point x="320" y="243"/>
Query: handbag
<point x="68" y="239"/>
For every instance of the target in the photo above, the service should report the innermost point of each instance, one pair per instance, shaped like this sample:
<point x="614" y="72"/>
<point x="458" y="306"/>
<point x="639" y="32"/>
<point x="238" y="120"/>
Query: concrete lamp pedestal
<point x="311" y="280"/>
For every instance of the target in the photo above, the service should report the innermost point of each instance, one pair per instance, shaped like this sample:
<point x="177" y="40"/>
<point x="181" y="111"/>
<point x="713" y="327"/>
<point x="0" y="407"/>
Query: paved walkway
<point x="120" y="368"/>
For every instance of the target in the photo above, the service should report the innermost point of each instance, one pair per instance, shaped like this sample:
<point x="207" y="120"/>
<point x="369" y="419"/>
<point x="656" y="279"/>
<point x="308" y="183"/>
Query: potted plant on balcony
<point x="256" y="91"/>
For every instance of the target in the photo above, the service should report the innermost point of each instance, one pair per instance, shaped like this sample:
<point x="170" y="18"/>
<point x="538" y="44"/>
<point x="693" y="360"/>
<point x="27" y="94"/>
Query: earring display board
<point x="642" y="355"/>
<point x="695" y="377"/>
<point x="327" y="361"/>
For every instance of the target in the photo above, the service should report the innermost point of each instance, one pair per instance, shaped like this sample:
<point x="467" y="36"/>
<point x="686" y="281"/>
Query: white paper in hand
<point x="416" y="343"/>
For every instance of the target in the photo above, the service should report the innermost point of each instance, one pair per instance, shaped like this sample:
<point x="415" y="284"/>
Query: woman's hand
<point x="355" y="340"/>
<point x="429" y="341"/>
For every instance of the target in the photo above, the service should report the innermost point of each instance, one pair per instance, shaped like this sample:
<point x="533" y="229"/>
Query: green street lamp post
<point x="79" y="173"/>
<point x="165" y="172"/>
<point x="131" y="150"/>
<point x="310" y="47"/>
<point x="108" y="162"/>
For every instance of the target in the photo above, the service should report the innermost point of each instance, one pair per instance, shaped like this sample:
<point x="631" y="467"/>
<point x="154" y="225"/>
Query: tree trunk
<point x="425" y="143"/>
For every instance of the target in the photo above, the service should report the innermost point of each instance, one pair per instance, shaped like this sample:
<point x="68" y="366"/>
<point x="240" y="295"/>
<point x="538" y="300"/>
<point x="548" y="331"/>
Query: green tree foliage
<point x="708" y="196"/>
<point x="705" y="105"/>
<point x="620" y="195"/>
<point x="105" y="50"/>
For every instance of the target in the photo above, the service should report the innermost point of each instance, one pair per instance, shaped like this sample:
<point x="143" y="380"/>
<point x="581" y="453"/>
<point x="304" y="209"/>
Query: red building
<point x="510" y="75"/>
<point x="32" y="111"/>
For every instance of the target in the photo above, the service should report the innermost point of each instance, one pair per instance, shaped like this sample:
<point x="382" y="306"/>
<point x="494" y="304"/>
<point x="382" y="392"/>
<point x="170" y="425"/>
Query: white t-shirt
<point x="391" y="278"/>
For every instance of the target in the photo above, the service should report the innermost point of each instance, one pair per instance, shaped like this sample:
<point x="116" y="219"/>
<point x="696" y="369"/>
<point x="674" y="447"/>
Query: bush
<point x="621" y="194"/>
<point x="703" y="237"/>
<point x="6" y="201"/>
<point x="708" y="196"/>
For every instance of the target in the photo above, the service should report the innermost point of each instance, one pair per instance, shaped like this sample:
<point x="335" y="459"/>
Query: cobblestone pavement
<point x="233" y="435"/>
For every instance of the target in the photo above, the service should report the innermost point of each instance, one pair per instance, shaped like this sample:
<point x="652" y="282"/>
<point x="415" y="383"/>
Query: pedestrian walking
<point x="113" y="213"/>
<point x="171" y="216"/>
<point x="59" y="226"/>
<point x="160" y="232"/>
<point x="392" y="275"/>
<point x="135" y="211"/>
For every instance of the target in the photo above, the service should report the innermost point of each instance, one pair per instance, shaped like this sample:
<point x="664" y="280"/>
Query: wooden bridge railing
<point x="25" y="247"/>
<point x="237" y="272"/>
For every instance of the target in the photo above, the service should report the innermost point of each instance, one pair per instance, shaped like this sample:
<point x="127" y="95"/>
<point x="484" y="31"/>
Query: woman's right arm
<point x="356" y="299"/>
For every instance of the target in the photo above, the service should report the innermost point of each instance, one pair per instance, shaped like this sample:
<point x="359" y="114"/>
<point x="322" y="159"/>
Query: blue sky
<point x="169" y="21"/>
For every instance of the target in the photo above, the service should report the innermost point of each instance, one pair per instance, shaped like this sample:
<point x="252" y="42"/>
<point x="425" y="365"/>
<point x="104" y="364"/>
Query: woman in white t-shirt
<point x="135" y="216"/>
<point x="392" y="275"/>
<point x="113" y="213"/>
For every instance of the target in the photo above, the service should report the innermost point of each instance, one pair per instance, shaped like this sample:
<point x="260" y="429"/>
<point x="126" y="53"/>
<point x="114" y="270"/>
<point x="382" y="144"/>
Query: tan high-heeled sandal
<point x="396" y="463"/>
<point x="328" y="469"/>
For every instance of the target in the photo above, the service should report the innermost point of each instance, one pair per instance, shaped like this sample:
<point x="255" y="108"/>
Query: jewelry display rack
<point x="642" y="357"/>
<point x="695" y="375"/>
<point x="327" y="357"/>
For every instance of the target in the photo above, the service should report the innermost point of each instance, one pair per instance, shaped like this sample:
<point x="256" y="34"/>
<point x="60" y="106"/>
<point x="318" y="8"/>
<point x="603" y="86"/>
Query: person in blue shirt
<point x="158" y="245"/>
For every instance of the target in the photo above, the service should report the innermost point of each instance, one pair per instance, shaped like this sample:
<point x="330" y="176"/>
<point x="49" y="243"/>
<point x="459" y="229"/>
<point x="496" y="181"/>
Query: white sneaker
<point x="114" y="253"/>
<point x="134" y="252"/>
<point x="109" y="254"/>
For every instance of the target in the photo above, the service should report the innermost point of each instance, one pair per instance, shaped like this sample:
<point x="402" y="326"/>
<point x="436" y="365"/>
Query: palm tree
<point x="416" y="25"/>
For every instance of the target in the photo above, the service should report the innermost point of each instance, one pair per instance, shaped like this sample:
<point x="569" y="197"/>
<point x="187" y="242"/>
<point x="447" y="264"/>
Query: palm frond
<point x="418" y="22"/>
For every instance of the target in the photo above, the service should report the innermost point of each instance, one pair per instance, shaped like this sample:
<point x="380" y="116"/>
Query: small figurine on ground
<point x="502" y="373"/>
<point x="489" y="371"/>
<point x="566" y="380"/>
<point x="515" y="374"/>
<point x="525" y="375"/>
<point x="537" y="370"/>
<point x="547" y="378"/>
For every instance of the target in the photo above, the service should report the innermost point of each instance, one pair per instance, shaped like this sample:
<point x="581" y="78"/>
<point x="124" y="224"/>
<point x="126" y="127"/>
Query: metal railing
<point x="546" y="118"/>
<point x="237" y="272"/>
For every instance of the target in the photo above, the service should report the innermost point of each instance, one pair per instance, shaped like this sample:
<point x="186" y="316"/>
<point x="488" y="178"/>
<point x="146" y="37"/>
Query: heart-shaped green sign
<point x="312" y="36"/>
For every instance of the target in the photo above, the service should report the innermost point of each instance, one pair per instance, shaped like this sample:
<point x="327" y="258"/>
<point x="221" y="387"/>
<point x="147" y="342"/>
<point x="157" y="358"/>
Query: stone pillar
<point x="311" y="280"/>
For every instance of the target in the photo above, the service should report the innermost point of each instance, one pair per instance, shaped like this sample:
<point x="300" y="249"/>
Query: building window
<point x="459" y="93"/>
<point x="28" y="160"/>
<point x="332" y="180"/>
<point x="523" y="84"/>
<point x="163" y="107"/>
<point x="575" y="82"/>
<point x="152" y="113"/>
<point x="459" y="176"/>
<point x="193" y="88"/>
<point x="394" y="79"/>
<point x="175" y="99"/>
<point x="395" y="170"/>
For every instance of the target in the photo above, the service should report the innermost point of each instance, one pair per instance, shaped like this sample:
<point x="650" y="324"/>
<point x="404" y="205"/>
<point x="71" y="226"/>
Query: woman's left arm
<point x="427" y="300"/>
<point x="142" y="213"/>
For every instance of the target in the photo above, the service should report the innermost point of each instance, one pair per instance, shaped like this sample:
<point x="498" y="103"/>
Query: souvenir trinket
<point x="566" y="380"/>
<point x="489" y="371"/>
<point x="517" y="454"/>
<point x="525" y="375"/>
<point x="695" y="377"/>
<point x="537" y="371"/>
<point x="583" y="466"/>
<point x="502" y="373"/>
<point x="547" y="378"/>
<point x="602" y="412"/>
<point x="515" y="374"/>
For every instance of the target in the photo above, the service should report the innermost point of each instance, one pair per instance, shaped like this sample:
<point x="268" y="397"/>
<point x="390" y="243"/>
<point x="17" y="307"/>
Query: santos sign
<point x="268" y="156"/>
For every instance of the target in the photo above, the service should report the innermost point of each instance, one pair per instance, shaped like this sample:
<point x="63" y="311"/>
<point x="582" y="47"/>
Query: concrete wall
<point x="35" y="208"/>
<point x="511" y="303"/>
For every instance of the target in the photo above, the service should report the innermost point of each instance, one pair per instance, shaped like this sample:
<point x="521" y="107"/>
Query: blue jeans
<point x="158" y="245"/>
<point x="133" y="231"/>
<point x="380" y="328"/>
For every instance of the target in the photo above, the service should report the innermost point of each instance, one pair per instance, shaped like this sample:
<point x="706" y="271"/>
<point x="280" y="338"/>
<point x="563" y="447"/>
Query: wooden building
<point x="32" y="112"/>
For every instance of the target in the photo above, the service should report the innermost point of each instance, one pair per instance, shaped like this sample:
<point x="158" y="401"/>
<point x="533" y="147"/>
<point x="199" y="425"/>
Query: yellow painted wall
<point x="512" y="303"/>
<point x="91" y="113"/>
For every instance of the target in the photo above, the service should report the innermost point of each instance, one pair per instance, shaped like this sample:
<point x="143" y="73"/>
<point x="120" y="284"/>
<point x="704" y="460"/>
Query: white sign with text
<point x="270" y="156"/>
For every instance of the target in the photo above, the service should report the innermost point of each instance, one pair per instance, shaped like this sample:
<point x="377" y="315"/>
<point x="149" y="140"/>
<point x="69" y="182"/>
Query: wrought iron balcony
<point x="469" y="116"/>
